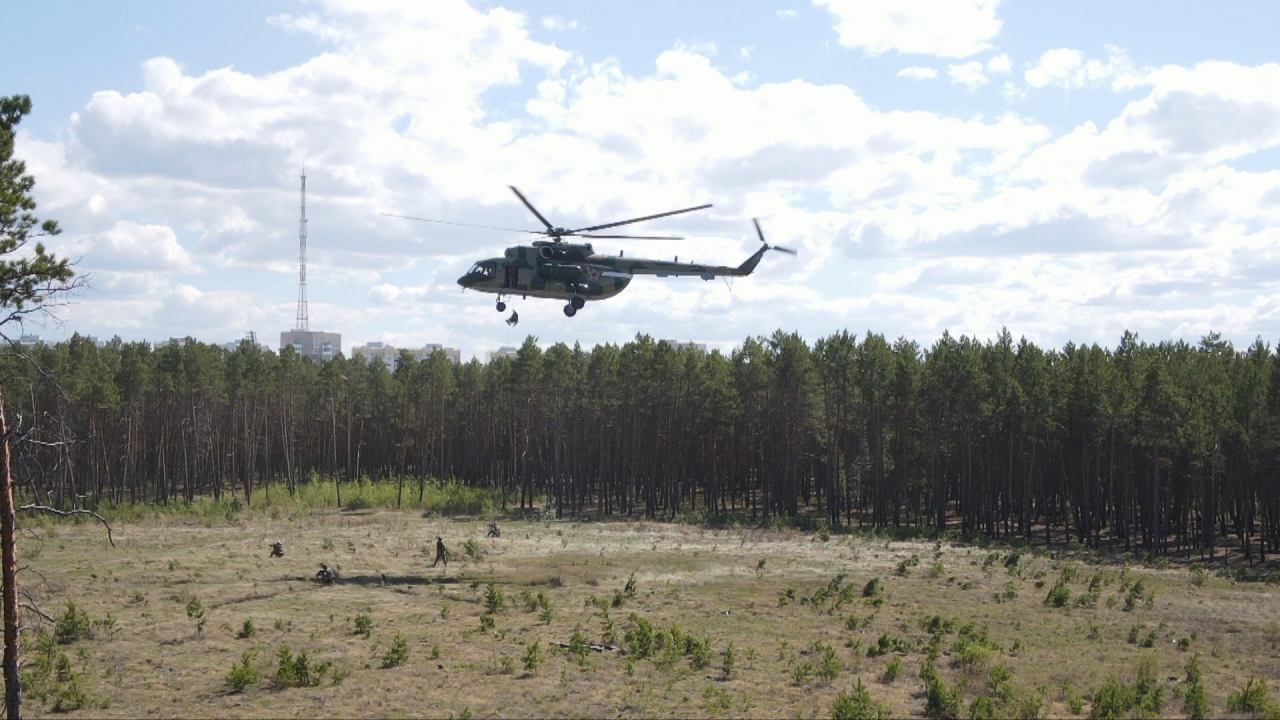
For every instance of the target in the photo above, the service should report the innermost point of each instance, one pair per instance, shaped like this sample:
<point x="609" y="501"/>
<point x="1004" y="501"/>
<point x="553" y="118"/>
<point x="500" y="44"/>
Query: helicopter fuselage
<point x="575" y="272"/>
<point x="547" y="270"/>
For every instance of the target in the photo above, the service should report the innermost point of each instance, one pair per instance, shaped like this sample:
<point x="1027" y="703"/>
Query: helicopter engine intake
<point x="559" y="271"/>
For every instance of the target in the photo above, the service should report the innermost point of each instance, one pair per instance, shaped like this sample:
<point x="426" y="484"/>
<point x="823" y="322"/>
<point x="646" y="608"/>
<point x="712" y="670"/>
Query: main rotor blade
<point x="446" y="222"/>
<point x="630" y="237"/>
<point x="636" y="220"/>
<point x="532" y="209"/>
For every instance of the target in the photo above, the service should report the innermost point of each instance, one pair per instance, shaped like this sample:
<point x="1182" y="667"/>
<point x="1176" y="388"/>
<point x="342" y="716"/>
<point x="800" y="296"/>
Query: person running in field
<point x="442" y="552"/>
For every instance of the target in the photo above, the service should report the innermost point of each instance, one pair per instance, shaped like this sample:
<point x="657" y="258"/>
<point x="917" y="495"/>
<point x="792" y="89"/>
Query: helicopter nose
<point x="467" y="280"/>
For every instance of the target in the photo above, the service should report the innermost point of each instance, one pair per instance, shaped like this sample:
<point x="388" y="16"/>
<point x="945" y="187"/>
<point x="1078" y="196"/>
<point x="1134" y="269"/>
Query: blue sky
<point x="1066" y="170"/>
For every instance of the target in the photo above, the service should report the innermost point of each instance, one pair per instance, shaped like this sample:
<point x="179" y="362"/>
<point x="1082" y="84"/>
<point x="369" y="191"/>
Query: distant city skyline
<point x="1066" y="170"/>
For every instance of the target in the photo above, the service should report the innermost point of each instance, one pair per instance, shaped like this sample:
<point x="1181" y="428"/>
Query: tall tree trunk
<point x="9" y="577"/>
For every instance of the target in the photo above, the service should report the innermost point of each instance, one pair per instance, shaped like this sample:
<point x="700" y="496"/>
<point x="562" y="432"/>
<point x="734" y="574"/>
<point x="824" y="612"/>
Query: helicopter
<point x="555" y="268"/>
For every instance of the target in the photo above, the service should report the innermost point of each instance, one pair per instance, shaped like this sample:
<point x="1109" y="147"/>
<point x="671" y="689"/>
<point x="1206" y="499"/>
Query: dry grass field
<point x="169" y="610"/>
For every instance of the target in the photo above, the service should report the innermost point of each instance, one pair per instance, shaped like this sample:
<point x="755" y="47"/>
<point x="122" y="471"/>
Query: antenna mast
<point x="302" y="260"/>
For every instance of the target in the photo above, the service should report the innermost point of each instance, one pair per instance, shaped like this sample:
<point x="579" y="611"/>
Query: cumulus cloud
<point x="908" y="221"/>
<point x="129" y="246"/>
<point x="918" y="73"/>
<point x="1070" y="69"/>
<point x="946" y="28"/>
<point x="553" y="22"/>
<point x="968" y="74"/>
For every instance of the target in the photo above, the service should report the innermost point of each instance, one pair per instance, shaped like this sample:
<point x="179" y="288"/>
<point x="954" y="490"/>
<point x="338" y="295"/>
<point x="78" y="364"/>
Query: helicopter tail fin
<point x="750" y="263"/>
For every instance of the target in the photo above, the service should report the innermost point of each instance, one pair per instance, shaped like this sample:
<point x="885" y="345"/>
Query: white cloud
<point x="787" y="14"/>
<point x="946" y="28"/>
<point x="745" y="52"/>
<point x="968" y="74"/>
<point x="907" y="221"/>
<point x="1069" y="69"/>
<point x="129" y="246"/>
<point x="918" y="73"/>
<point x="559" y="24"/>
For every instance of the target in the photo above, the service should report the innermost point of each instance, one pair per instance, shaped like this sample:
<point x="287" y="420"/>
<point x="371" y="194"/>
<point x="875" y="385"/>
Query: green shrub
<point x="72" y="625"/>
<point x="853" y="622"/>
<point x="830" y="667"/>
<point x="398" y="653"/>
<point x="471" y="548"/>
<point x="533" y="655"/>
<point x="858" y="705"/>
<point x="888" y="643"/>
<point x="639" y="637"/>
<point x="1059" y="595"/>
<point x="873" y="588"/>
<point x="243" y="674"/>
<point x="892" y="670"/>
<point x="247" y="630"/>
<point x="998" y="683"/>
<point x="1251" y="699"/>
<point x="938" y="625"/>
<point x="1138" y="593"/>
<point x="364" y="625"/>
<point x="973" y="656"/>
<point x="699" y="652"/>
<point x="941" y="700"/>
<point x="107" y="624"/>
<point x="297" y="670"/>
<point x="579" y="645"/>
<point x="1195" y="704"/>
<point x="195" y="611"/>
<point x="1030" y="707"/>
<point x="1116" y="699"/>
<point x="984" y="707"/>
<point x="494" y="599"/>
<point x="1113" y="700"/>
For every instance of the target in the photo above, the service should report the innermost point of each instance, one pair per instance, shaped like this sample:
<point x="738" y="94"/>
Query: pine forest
<point x="1163" y="448"/>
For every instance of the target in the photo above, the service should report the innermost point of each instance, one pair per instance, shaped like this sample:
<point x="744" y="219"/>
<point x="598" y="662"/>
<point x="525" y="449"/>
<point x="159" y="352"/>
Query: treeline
<point x="1165" y="447"/>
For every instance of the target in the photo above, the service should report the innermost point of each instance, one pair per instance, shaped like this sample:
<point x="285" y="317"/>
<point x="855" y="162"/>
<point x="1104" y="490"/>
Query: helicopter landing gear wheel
<point x="570" y="310"/>
<point x="501" y="306"/>
<point x="577" y="302"/>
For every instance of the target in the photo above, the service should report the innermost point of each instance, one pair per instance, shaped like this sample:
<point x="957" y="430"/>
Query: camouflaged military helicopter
<point x="574" y="272"/>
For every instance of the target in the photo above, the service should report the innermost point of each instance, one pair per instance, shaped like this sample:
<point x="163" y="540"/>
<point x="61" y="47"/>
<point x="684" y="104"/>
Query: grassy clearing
<point x="189" y="616"/>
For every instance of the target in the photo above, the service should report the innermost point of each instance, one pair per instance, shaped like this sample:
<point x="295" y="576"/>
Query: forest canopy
<point x="1163" y="447"/>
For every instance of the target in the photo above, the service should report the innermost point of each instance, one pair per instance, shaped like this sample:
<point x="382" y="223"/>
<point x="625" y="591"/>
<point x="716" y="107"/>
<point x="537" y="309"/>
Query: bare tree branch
<point x="32" y="607"/>
<point x="26" y="568"/>
<point x="65" y="513"/>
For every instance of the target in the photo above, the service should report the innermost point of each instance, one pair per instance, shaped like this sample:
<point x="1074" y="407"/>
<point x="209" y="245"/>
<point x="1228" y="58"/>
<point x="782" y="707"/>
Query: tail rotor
<point x="766" y="244"/>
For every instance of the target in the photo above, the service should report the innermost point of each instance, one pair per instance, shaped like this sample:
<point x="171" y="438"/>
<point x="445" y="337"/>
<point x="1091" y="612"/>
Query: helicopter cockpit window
<point x="482" y="269"/>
